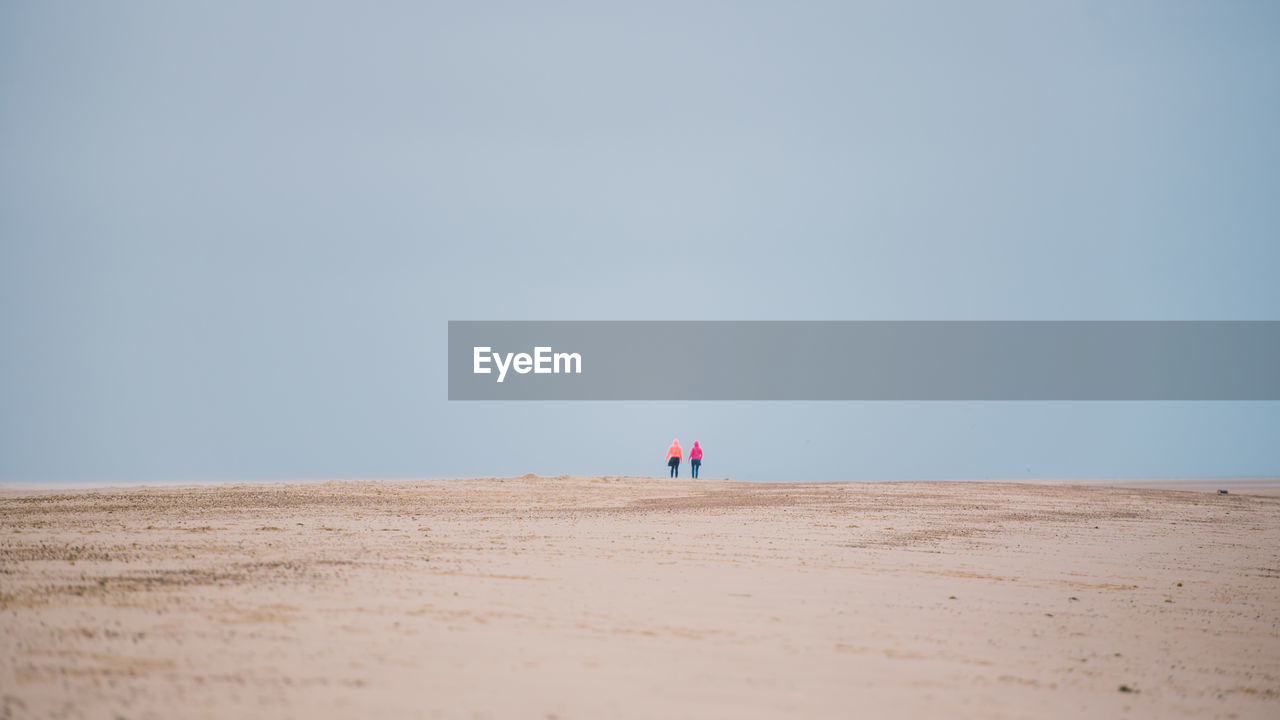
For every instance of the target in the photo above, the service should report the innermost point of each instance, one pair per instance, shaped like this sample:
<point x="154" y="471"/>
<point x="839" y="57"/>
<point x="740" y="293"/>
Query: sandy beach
<point x="635" y="597"/>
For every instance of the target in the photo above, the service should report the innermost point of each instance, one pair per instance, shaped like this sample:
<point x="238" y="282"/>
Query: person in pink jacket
<point x="673" y="458"/>
<point x="695" y="458"/>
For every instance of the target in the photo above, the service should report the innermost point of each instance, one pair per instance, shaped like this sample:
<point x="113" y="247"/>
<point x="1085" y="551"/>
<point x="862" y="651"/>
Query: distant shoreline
<point x="1239" y="486"/>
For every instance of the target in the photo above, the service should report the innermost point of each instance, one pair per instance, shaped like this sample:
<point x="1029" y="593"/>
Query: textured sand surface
<point x="595" y="597"/>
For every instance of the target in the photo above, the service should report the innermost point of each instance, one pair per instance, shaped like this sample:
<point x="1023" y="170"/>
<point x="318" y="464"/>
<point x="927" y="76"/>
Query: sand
<point x="607" y="597"/>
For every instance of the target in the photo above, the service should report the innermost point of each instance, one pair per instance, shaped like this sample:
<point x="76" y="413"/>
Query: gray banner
<point x="864" y="360"/>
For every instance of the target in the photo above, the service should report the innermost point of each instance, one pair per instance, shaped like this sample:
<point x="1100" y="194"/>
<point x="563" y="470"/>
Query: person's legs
<point x="695" y="465"/>
<point x="676" y="468"/>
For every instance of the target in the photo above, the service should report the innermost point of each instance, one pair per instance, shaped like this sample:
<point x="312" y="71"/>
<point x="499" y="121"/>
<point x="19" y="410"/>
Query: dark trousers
<point x="674" y="464"/>
<point x="694" y="465"/>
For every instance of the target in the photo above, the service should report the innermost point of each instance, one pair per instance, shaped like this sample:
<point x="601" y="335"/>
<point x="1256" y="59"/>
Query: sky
<point x="232" y="234"/>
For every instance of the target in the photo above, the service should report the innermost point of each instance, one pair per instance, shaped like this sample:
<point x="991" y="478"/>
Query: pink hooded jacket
<point x="696" y="452"/>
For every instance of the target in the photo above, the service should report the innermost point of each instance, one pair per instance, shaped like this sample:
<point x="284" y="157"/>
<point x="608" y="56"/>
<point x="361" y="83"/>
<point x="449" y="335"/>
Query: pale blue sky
<point x="231" y="235"/>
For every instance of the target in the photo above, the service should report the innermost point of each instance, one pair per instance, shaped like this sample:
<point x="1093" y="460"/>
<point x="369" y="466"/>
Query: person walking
<point x="673" y="458"/>
<point x="695" y="459"/>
